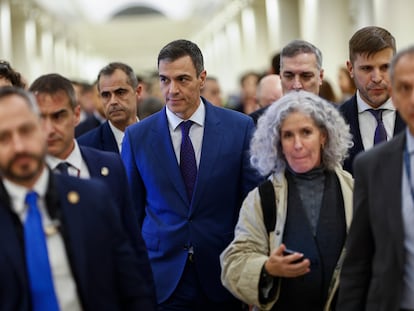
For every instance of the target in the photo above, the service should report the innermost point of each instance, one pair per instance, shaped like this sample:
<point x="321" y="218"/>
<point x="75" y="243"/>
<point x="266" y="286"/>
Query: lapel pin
<point x="73" y="197"/>
<point x="104" y="171"/>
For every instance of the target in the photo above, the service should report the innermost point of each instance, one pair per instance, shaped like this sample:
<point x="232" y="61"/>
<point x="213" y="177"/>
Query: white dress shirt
<point x="119" y="135"/>
<point x="368" y="123"/>
<point x="196" y="131"/>
<point x="77" y="168"/>
<point x="63" y="280"/>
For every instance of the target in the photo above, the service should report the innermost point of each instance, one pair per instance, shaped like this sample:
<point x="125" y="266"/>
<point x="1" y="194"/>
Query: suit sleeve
<point x="357" y="267"/>
<point x="135" y="182"/>
<point x="133" y="287"/>
<point x="250" y="176"/>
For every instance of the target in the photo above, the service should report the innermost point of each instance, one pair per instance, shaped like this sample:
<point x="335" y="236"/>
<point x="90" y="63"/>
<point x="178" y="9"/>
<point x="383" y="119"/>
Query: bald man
<point x="269" y="90"/>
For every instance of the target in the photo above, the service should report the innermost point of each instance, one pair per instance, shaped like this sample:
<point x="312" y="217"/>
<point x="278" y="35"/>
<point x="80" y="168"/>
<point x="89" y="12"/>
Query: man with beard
<point x="119" y="91"/>
<point x="61" y="247"/>
<point x="370" y="112"/>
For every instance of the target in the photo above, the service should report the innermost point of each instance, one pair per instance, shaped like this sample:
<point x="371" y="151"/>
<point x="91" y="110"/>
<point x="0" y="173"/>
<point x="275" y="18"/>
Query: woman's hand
<point x="284" y="265"/>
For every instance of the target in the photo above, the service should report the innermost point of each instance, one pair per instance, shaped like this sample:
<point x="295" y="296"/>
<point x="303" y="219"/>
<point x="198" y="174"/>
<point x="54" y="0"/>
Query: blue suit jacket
<point x="108" y="167"/>
<point x="100" y="138"/>
<point x="86" y="125"/>
<point x="349" y="111"/>
<point x="169" y="221"/>
<point x="104" y="265"/>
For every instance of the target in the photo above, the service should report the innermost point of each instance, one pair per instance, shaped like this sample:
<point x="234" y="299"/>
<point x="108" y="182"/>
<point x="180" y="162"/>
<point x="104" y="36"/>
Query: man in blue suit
<point x="60" y="113"/>
<point x="87" y="260"/>
<point x="119" y="91"/>
<point x="187" y="224"/>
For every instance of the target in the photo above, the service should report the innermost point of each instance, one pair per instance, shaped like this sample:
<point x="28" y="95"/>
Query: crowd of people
<point x="123" y="195"/>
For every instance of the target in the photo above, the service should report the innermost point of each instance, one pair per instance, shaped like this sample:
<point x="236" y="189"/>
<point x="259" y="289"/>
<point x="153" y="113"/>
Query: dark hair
<point x="6" y="71"/>
<point x="370" y="40"/>
<point x="53" y="83"/>
<point x="276" y="64"/>
<point x="110" y="69"/>
<point x="296" y="47"/>
<point x="180" y="48"/>
<point x="327" y="92"/>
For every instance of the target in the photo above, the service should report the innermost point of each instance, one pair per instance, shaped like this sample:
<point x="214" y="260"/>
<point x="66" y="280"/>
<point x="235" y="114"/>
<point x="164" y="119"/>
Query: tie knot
<point x="31" y="198"/>
<point x="377" y="113"/>
<point x="185" y="127"/>
<point x="63" y="168"/>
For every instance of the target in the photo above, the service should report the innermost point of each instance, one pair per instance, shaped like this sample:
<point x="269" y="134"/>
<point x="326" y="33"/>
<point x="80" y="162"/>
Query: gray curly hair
<point x="266" y="149"/>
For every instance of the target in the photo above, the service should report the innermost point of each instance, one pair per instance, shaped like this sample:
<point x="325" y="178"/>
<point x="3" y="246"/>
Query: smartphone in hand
<point x="290" y="252"/>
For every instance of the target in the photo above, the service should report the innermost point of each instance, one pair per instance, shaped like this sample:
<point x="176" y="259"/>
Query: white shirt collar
<point x="363" y="106"/>
<point x="18" y="193"/>
<point x="74" y="158"/>
<point x="119" y="135"/>
<point x="197" y="117"/>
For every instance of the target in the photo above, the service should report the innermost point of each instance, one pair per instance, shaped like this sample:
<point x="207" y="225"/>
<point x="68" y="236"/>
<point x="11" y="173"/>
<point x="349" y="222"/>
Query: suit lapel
<point x="391" y="174"/>
<point x="108" y="139"/>
<point x="163" y="152"/>
<point x="73" y="235"/>
<point x="210" y="150"/>
<point x="93" y="163"/>
<point x="352" y="116"/>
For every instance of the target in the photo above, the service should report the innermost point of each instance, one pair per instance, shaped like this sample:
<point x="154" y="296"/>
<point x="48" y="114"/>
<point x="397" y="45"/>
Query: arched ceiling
<point x="131" y="31"/>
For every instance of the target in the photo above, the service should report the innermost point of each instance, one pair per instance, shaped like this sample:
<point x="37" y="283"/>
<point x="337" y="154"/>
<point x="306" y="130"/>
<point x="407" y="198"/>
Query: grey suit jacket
<point x="371" y="277"/>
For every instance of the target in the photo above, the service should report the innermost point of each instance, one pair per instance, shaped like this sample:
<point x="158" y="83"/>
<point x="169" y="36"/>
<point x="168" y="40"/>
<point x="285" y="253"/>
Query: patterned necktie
<point x="188" y="164"/>
<point x="380" y="132"/>
<point x="63" y="168"/>
<point x="37" y="260"/>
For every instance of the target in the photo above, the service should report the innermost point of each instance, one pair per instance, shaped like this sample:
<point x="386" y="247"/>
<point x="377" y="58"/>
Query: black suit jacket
<point x="105" y="267"/>
<point x="371" y="277"/>
<point x="349" y="111"/>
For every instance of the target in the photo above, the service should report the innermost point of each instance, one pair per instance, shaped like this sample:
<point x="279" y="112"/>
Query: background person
<point x="81" y="258"/>
<point x="301" y="141"/>
<point x="378" y="268"/>
<point x="370" y="51"/>
<point x="119" y="91"/>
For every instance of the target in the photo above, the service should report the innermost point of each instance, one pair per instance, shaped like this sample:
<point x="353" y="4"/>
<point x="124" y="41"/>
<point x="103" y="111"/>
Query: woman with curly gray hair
<point x="300" y="144"/>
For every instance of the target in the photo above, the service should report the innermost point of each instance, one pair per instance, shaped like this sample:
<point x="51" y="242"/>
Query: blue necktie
<point x="37" y="260"/>
<point x="188" y="164"/>
<point x="380" y="134"/>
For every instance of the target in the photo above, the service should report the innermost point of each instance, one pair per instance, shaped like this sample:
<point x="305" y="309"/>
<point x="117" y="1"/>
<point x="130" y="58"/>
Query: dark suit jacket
<point x="86" y="125"/>
<point x="103" y="263"/>
<point x="170" y="221"/>
<point x="371" y="277"/>
<point x="349" y="110"/>
<point x="100" y="138"/>
<point x="108" y="167"/>
<point x="258" y="113"/>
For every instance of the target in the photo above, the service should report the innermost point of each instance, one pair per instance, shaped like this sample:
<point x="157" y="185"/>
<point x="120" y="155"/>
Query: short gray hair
<point x="266" y="149"/>
<point x="296" y="47"/>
